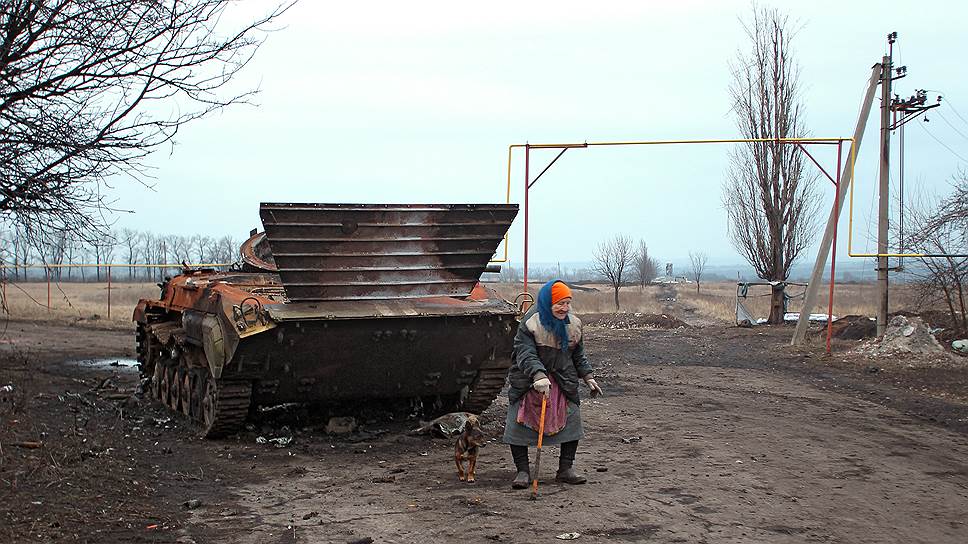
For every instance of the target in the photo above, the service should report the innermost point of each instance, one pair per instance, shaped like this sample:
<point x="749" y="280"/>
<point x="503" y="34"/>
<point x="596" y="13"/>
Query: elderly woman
<point x="549" y="359"/>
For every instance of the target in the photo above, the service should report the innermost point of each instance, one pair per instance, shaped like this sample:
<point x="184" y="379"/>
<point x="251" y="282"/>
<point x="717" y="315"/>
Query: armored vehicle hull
<point x="336" y="303"/>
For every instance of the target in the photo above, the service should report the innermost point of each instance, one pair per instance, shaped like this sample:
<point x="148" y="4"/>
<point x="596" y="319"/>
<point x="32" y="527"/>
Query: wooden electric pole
<point x="884" y="190"/>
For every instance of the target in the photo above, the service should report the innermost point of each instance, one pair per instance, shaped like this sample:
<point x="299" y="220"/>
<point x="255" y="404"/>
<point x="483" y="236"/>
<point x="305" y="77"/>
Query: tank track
<point x="231" y="408"/>
<point x="218" y="407"/>
<point x="487" y="385"/>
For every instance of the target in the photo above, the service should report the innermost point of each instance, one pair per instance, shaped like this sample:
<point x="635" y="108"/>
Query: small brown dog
<point x="467" y="447"/>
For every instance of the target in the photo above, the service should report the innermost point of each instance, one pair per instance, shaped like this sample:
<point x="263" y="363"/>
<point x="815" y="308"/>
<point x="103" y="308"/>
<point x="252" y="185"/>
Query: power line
<point x="950" y="104"/>
<point x="943" y="118"/>
<point x="944" y="145"/>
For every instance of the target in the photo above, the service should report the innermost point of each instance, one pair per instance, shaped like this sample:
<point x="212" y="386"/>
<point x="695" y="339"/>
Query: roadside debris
<point x="960" y="346"/>
<point x="280" y="442"/>
<point x="631" y="439"/>
<point x="192" y="504"/>
<point x="568" y="536"/>
<point x="909" y="335"/>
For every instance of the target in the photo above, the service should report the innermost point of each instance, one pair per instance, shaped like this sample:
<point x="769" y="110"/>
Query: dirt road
<point x="705" y="435"/>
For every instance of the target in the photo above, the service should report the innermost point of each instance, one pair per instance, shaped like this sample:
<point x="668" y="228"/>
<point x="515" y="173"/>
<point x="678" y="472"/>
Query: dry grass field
<point x="714" y="303"/>
<point x="73" y="302"/>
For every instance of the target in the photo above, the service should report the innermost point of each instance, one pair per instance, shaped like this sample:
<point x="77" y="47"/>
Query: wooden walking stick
<point x="537" y="458"/>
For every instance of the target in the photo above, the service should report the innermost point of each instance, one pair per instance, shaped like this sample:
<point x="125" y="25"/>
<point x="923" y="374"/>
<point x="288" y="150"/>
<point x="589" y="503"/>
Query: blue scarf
<point x="548" y="319"/>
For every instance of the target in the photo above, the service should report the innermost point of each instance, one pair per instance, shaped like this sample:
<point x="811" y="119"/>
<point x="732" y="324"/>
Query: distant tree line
<point x="126" y="246"/>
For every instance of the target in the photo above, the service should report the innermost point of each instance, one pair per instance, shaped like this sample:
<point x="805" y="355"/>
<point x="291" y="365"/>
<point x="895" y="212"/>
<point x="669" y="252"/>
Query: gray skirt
<point x="517" y="434"/>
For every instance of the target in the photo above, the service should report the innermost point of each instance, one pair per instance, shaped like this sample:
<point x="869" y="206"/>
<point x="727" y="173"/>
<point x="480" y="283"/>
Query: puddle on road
<point x="114" y="363"/>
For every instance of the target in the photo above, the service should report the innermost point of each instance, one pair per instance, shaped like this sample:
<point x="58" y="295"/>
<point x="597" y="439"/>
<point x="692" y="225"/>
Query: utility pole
<point x="884" y="191"/>
<point x="909" y="109"/>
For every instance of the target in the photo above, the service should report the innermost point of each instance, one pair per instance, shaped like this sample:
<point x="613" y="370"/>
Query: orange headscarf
<point x="559" y="291"/>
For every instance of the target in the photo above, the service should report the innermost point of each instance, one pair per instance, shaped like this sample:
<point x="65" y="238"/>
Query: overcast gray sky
<point x="418" y="102"/>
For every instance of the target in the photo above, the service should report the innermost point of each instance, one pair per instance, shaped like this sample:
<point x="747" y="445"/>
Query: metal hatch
<point x="329" y="252"/>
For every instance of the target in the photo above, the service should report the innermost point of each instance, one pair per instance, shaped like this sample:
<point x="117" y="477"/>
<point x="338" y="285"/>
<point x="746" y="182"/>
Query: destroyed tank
<point x="335" y="303"/>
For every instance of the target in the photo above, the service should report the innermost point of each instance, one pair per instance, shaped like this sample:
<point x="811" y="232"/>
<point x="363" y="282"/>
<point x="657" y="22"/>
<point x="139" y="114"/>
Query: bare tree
<point x="942" y="229"/>
<point x="770" y="202"/>
<point x="180" y="248"/>
<point x="646" y="267"/>
<point x="509" y="274"/>
<point x="82" y="89"/>
<point x="130" y="238"/>
<point x="201" y="245"/>
<point x="698" y="261"/>
<point x="103" y="247"/>
<point x="226" y="250"/>
<point x="149" y="253"/>
<point x="612" y="259"/>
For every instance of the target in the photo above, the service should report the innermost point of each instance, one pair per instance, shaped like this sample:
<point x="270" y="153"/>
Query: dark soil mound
<point x="852" y="327"/>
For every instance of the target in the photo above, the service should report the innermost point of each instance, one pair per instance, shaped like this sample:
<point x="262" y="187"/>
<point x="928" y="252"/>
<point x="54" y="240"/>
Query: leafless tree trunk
<point x="770" y="201"/>
<point x="148" y="246"/>
<point x="698" y="261"/>
<point x="130" y="239"/>
<point x="82" y="89"/>
<point x="645" y="266"/>
<point x="103" y="249"/>
<point x="612" y="259"/>
<point x="22" y="249"/>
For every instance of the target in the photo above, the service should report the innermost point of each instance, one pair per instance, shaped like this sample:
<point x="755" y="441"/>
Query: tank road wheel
<point x="185" y="391"/>
<point x="164" y="385"/>
<point x="156" y="376"/>
<point x="224" y="407"/>
<point x="171" y="385"/>
<point x="196" y="380"/>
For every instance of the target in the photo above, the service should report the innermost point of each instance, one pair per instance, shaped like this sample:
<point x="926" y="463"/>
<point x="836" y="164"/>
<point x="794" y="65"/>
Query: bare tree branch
<point x="88" y="88"/>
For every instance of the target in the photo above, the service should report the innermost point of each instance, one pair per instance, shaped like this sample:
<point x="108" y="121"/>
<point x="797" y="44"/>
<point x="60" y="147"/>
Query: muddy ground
<point x="708" y="434"/>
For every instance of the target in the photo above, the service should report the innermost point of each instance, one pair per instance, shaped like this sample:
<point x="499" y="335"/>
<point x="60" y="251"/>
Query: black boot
<point x="523" y="477"/>
<point x="566" y="472"/>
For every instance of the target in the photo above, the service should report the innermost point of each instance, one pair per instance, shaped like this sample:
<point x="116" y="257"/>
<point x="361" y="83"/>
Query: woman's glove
<point x="542" y="385"/>
<point x="593" y="385"/>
